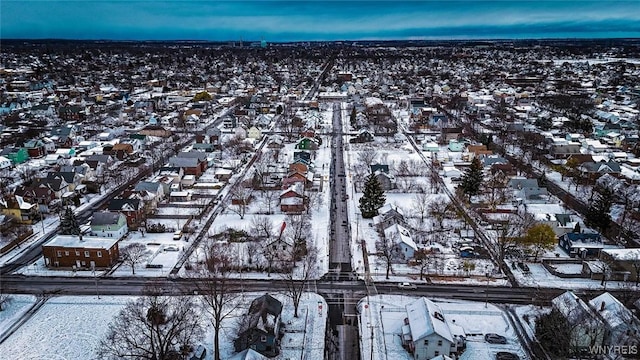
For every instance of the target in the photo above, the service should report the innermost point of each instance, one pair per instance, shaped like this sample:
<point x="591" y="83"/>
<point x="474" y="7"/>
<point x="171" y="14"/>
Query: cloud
<point x="311" y="20"/>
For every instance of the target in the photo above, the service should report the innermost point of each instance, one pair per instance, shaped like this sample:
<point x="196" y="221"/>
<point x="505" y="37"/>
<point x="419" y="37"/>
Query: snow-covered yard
<point x="382" y="319"/>
<point x="71" y="327"/>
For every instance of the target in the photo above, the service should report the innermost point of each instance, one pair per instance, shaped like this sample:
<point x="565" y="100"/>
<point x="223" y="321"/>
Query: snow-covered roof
<point x="399" y="233"/>
<point x="623" y="254"/>
<point x="87" y="242"/>
<point x="612" y="310"/>
<point x="426" y="318"/>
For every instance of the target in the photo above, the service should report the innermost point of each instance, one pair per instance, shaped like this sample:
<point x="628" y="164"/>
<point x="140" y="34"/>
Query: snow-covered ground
<point x="382" y="319"/>
<point x="71" y="327"/>
<point x="18" y="305"/>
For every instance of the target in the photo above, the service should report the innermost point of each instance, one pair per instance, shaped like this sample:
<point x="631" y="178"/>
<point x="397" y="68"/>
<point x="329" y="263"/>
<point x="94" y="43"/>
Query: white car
<point x="406" y="285"/>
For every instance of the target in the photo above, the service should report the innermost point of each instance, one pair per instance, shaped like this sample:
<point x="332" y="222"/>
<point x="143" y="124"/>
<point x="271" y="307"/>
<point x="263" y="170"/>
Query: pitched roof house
<point x="260" y="327"/>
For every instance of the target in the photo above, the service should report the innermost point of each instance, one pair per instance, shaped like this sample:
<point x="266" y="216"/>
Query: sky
<point x="280" y="21"/>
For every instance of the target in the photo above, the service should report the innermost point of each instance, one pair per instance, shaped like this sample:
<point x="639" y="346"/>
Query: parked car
<point x="524" y="267"/>
<point x="503" y="355"/>
<point x="495" y="339"/>
<point x="177" y="235"/>
<point x="407" y="285"/>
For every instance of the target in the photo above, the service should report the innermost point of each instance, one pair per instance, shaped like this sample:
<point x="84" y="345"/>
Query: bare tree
<point x="153" y="327"/>
<point x="387" y="254"/>
<point x="261" y="227"/>
<point x="240" y="198"/>
<point x="420" y="205"/>
<point x="367" y="156"/>
<point x="215" y="290"/>
<point x="510" y="233"/>
<point x="296" y="279"/>
<point x="133" y="254"/>
<point x="439" y="209"/>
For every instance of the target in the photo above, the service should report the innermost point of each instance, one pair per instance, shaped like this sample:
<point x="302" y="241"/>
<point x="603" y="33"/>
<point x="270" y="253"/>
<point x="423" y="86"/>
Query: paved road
<point x="340" y="234"/>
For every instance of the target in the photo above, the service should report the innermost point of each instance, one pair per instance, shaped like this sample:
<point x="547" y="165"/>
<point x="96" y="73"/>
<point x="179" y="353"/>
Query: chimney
<point x="602" y="306"/>
<point x="80" y="236"/>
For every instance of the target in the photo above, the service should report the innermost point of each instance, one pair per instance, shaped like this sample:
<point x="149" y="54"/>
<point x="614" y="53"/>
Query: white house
<point x="622" y="326"/>
<point x="5" y="163"/>
<point x="426" y="332"/>
<point x="400" y="237"/>
<point x="254" y="133"/>
<point x="109" y="224"/>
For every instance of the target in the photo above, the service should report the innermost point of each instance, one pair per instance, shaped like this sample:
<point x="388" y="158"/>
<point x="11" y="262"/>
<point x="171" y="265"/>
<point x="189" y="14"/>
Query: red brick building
<point x="66" y="251"/>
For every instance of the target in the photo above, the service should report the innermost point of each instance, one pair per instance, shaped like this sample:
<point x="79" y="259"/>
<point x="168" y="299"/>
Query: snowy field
<point x="386" y="314"/>
<point x="65" y="328"/>
<point x="71" y="327"/>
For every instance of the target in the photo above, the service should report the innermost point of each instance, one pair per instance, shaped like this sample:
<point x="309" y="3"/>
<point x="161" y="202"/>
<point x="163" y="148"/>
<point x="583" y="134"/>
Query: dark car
<point x="495" y="339"/>
<point x="503" y="355"/>
<point x="524" y="267"/>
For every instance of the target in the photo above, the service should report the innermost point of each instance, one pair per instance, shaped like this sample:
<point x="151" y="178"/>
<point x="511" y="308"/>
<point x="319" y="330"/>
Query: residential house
<point x="455" y="146"/>
<point x="623" y="328"/>
<point x="40" y="193"/>
<point x="17" y="155"/>
<point x="623" y="260"/>
<point x="73" y="251"/>
<point x="307" y="143"/>
<point x="214" y="134"/>
<point x="379" y="167"/>
<point x="248" y="354"/>
<point x="155" y="130"/>
<point x="35" y="148"/>
<point x="593" y="170"/>
<point x="303" y="156"/>
<point x="388" y="215"/>
<point x="63" y="136"/>
<point x="403" y="245"/>
<point x="426" y="333"/>
<point x="564" y="150"/>
<point x="587" y="328"/>
<point x="431" y="146"/>
<point x="582" y="245"/>
<point x="109" y="224"/>
<point x="192" y="162"/>
<point x="254" y="133"/>
<point x="298" y="166"/>
<point x="451" y="133"/>
<point x="122" y="150"/>
<point x="16" y="207"/>
<point x="387" y="181"/>
<point x="132" y="209"/>
<point x="293" y="200"/>
<point x="260" y="327"/>
<point x="5" y="163"/>
<point x="152" y="187"/>
<point x="363" y="136"/>
<point x="296" y="177"/>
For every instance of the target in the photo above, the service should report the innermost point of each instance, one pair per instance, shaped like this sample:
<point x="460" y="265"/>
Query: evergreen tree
<point x="472" y="178"/>
<point x="373" y="197"/>
<point x="68" y="223"/>
<point x="598" y="213"/>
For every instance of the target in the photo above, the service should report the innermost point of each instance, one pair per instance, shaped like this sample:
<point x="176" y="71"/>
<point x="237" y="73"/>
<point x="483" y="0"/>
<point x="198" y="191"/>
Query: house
<point x="379" y="167"/>
<point x="363" y="136"/>
<point x="426" y="333"/>
<point x="451" y="133"/>
<point x="73" y="251"/>
<point x="122" y="150"/>
<point x="388" y="215"/>
<point x="298" y="166"/>
<point x="213" y="134"/>
<point x="38" y="192"/>
<point x="63" y="136"/>
<point x="109" y="224"/>
<point x="296" y="177"/>
<point x="192" y="162"/>
<point x="623" y="328"/>
<point x="248" y="354"/>
<point x="5" y="163"/>
<point x="455" y="146"/>
<point x="593" y="170"/>
<point x="626" y="260"/>
<point x="587" y="328"/>
<point x="16" y="207"/>
<point x="307" y="143"/>
<point x="260" y="327"/>
<point x="303" y="156"/>
<point x="132" y="209"/>
<point x="152" y="187"/>
<point x="564" y="150"/>
<point x="293" y="200"/>
<point x="254" y="133"/>
<point x="583" y="245"/>
<point x="387" y="181"/>
<point x="17" y="155"/>
<point x="430" y="146"/>
<point x="35" y="148"/>
<point x="155" y="130"/>
<point x="402" y="243"/>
